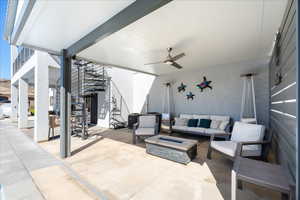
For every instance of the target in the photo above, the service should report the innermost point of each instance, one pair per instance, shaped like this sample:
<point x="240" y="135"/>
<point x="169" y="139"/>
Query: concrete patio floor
<point x="108" y="166"/>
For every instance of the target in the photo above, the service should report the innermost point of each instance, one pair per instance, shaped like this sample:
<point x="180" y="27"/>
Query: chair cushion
<point x="215" y="124"/>
<point x="229" y="148"/>
<point x="165" y="116"/>
<point x="204" y="123"/>
<point x="181" y="121"/>
<point x="226" y="147"/>
<point x="192" y="123"/>
<point x="186" y="116"/>
<point x="243" y="132"/>
<point x="145" y="131"/>
<point x="147" y="121"/>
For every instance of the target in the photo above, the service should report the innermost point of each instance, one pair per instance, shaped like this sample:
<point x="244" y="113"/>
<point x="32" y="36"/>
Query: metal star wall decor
<point x="204" y="84"/>
<point x="181" y="88"/>
<point x="190" y="95"/>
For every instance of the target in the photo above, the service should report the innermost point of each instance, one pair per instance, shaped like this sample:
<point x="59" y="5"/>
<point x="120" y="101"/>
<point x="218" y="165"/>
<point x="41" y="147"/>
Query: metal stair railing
<point x="119" y="110"/>
<point x="87" y="79"/>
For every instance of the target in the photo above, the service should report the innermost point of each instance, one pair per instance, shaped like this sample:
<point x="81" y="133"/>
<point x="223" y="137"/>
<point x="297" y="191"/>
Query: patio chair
<point x="247" y="140"/>
<point x="146" y="126"/>
<point x="52" y="125"/>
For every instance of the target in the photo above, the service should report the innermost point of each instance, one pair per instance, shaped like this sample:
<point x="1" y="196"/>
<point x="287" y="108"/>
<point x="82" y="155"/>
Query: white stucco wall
<point x="121" y="84"/>
<point x="123" y="81"/>
<point x="142" y="84"/>
<point x="132" y="86"/>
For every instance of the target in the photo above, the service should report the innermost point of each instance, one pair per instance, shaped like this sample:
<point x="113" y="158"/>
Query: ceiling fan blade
<point x="160" y="62"/>
<point x="175" y="64"/>
<point x="178" y="56"/>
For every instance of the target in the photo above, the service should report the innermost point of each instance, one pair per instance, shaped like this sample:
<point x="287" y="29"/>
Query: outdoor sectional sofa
<point x="184" y="129"/>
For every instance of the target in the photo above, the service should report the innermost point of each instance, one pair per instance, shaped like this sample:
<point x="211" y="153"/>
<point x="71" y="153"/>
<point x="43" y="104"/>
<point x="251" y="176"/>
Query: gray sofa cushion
<point x="186" y="116"/>
<point x="180" y="128"/>
<point x="220" y="117"/>
<point x="210" y="131"/>
<point x="197" y="130"/>
<point x="181" y="121"/>
<point x="215" y="124"/>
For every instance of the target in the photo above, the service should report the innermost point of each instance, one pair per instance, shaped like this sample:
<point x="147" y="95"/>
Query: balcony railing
<point x="24" y="55"/>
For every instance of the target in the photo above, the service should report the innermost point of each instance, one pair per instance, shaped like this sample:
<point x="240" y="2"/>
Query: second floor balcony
<point x="24" y="54"/>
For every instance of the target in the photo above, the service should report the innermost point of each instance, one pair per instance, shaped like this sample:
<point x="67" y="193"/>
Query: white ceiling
<point x="57" y="24"/>
<point x="210" y="32"/>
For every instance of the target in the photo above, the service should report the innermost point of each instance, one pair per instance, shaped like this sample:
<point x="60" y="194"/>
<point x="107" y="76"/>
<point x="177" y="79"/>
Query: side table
<point x="260" y="173"/>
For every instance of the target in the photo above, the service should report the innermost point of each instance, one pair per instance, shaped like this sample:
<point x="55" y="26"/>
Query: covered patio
<point x="109" y="166"/>
<point x="133" y="45"/>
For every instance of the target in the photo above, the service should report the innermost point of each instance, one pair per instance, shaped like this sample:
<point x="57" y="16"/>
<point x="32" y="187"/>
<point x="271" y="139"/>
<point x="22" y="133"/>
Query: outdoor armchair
<point x="247" y="140"/>
<point x="146" y="126"/>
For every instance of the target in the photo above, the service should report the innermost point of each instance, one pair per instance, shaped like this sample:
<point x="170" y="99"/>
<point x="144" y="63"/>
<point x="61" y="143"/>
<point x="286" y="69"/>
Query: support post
<point x="65" y="105"/>
<point x="14" y="89"/>
<point x="23" y="104"/>
<point x="41" y="98"/>
<point x="14" y="103"/>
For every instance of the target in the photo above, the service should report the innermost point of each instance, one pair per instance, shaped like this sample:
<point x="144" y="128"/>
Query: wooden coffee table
<point x="172" y="148"/>
<point x="260" y="173"/>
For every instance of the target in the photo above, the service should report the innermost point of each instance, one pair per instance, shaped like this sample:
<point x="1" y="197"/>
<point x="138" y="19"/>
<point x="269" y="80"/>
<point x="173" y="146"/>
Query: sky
<point x="4" y="47"/>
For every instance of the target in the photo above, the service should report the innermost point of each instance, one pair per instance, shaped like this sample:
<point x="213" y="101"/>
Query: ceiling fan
<point x="170" y="60"/>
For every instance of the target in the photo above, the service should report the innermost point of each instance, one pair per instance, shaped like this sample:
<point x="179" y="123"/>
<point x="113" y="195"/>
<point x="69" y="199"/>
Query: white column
<point x="41" y="98"/>
<point x="233" y="185"/>
<point x="13" y="56"/>
<point x="14" y="90"/>
<point x="23" y="104"/>
<point x="14" y="102"/>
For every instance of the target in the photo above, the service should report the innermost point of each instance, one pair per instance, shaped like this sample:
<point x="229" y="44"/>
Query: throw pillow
<point x="205" y="123"/>
<point x="192" y="122"/>
<point x="223" y="125"/>
<point x="180" y="121"/>
<point x="215" y="124"/>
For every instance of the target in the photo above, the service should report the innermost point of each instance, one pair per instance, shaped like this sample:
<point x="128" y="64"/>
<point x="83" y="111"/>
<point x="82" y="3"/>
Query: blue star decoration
<point x="190" y="95"/>
<point x="181" y="88"/>
<point x="204" y="84"/>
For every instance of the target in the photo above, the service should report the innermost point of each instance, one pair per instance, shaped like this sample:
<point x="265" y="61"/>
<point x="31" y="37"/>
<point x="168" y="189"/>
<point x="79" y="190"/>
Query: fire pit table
<point x="172" y="148"/>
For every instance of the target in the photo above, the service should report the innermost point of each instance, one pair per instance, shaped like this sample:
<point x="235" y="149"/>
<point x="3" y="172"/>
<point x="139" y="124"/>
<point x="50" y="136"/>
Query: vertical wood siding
<point x="283" y="121"/>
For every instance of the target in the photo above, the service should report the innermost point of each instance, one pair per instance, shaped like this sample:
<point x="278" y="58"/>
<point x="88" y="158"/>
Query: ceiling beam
<point x="56" y="53"/>
<point x="21" y="21"/>
<point x="116" y="66"/>
<point x="130" y="14"/>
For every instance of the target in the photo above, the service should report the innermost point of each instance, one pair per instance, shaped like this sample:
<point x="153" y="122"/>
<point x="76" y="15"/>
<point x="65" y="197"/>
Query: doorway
<point x="93" y="107"/>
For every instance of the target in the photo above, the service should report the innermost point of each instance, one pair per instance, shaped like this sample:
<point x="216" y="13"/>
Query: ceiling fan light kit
<point x="168" y="62"/>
